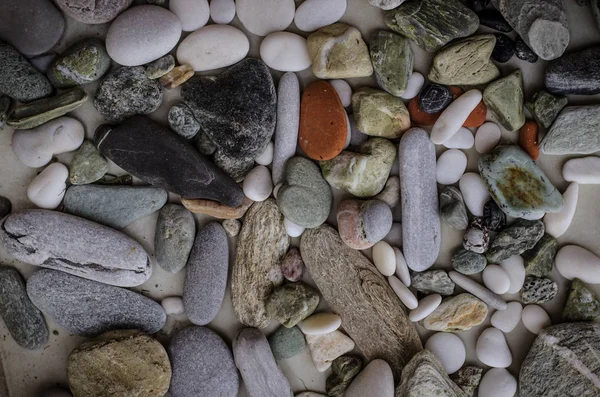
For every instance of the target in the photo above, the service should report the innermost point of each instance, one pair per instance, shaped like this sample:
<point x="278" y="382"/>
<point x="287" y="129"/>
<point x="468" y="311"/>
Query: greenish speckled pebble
<point x="582" y="304"/>
<point x="468" y="262"/>
<point x="504" y="98"/>
<point x="344" y="370"/>
<point x="540" y="259"/>
<point x="160" y="67"/>
<point x="378" y="113"/>
<point x="392" y="60"/>
<point x="291" y="303"/>
<point x="82" y="63"/>
<point x="545" y="107"/>
<point x="287" y="342"/>
<point x="88" y="165"/>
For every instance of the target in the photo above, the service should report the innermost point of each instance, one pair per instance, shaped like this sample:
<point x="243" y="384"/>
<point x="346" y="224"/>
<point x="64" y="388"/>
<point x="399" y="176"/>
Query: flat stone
<point x="575" y="131"/>
<point x="160" y="67"/>
<point x="174" y="237"/>
<point x="182" y="121"/>
<point x="515" y="239"/>
<point x="492" y="18"/>
<point x="468" y="378"/>
<point x="376" y="379"/>
<point x="232" y="227"/>
<point x="288" y="124"/>
<point x="287" y="342"/>
<point x="82" y="63"/>
<point x="538" y="290"/>
<point x="540" y="259"/>
<point x="458" y="313"/>
<point x="285" y="52"/>
<point x="433" y="282"/>
<point x="545" y="107"/>
<point x="99" y="12"/>
<point x="291" y="303"/>
<point x="477" y="237"/>
<point x="392" y="61"/>
<point x="344" y="370"/>
<point x="471" y="286"/>
<point x="325" y="348"/>
<point x="378" y="113"/>
<point x="452" y="208"/>
<point x="315" y="14"/>
<point x="504" y="48"/>
<point x="523" y="52"/>
<point x="504" y="98"/>
<point x="494" y="219"/>
<point x="87" y="166"/>
<point x="18" y="79"/>
<point x="575" y="73"/>
<point x="582" y="304"/>
<point x="362" y="224"/>
<point x="216" y="209"/>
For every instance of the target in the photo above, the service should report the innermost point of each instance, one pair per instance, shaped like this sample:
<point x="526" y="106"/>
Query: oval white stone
<point x="266" y="157"/>
<point x="349" y="133"/>
<point x="515" y="269"/>
<point x="454" y="116"/>
<point x="213" y="47"/>
<point x="558" y="223"/>
<point x="258" y="184"/>
<point x="576" y="262"/>
<point x="463" y="139"/>
<point x="285" y="51"/>
<point x="292" y="229"/>
<point x="376" y="380"/>
<point x="402" y="271"/>
<point x="35" y="147"/>
<point x="449" y="349"/>
<point x="585" y="170"/>
<point x="474" y="192"/>
<point x="384" y="258"/>
<point x="173" y="305"/>
<point x="263" y="17"/>
<point x="426" y="306"/>
<point x="414" y="85"/>
<point x="315" y="14"/>
<point x="497" y="382"/>
<point x="222" y="11"/>
<point x="535" y="318"/>
<point x="406" y="296"/>
<point x="506" y="320"/>
<point x="496" y="279"/>
<point x="193" y="14"/>
<point x="343" y="90"/>
<point x="142" y="34"/>
<point x="451" y="165"/>
<point x="48" y="188"/>
<point x="320" y="323"/>
<point x="487" y="137"/>
<point x="492" y="349"/>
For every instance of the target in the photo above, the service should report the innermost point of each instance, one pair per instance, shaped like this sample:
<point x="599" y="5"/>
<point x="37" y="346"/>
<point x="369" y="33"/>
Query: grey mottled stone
<point x="291" y="303"/>
<point x="160" y="67"/>
<point x="182" y="121"/>
<point x="539" y="260"/>
<point x="87" y="165"/>
<point x="392" y="61"/>
<point x="576" y="73"/>
<point x="204" y="144"/>
<point x="575" y="131"/>
<point x="582" y="304"/>
<point x="452" y="208"/>
<point x="468" y="378"/>
<point x="468" y="262"/>
<point x="99" y="11"/>
<point x="18" y="79"/>
<point x="538" y="290"/>
<point x="288" y="123"/>
<point x="174" y="237"/>
<point x="433" y="282"/>
<point x="477" y="237"/>
<point x="232" y="227"/>
<point x="545" y="107"/>
<point x="82" y="63"/>
<point x="515" y="239"/>
<point x="287" y="342"/>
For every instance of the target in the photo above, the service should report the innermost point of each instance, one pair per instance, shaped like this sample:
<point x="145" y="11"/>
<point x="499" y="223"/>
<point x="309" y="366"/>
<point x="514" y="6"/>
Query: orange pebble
<point x="456" y="91"/>
<point x="528" y="139"/>
<point x="477" y="116"/>
<point x="420" y="117"/>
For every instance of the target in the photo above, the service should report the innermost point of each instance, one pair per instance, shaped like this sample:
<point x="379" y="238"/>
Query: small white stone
<point x="292" y="229"/>
<point x="451" y="165"/>
<point x="474" y="192"/>
<point x="492" y="349"/>
<point x="558" y="223"/>
<point x="266" y="157"/>
<point x="414" y="85"/>
<point x="506" y="320"/>
<point x="454" y="116"/>
<point x="584" y="170"/>
<point x="426" y="306"/>
<point x="576" y="262"/>
<point x="406" y="296"/>
<point x="402" y="268"/>
<point x="343" y="90"/>
<point x="349" y="133"/>
<point x="222" y="11"/>
<point x="258" y="184"/>
<point x="285" y="51"/>
<point x="472" y="286"/>
<point x="535" y="318"/>
<point x="384" y="258"/>
<point x="193" y="14"/>
<point x="315" y="14"/>
<point x="515" y="269"/>
<point x="172" y="305"/>
<point x="48" y="188"/>
<point x="263" y="17"/>
<point x="449" y="349"/>
<point x="463" y="139"/>
<point x="320" y="323"/>
<point x="487" y="137"/>
<point x="376" y="380"/>
<point x="497" y="382"/>
<point x="496" y="279"/>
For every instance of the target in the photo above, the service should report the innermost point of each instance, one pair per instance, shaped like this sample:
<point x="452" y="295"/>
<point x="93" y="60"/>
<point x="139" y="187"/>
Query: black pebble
<point x="492" y="18"/>
<point x="523" y="51"/>
<point x="493" y="217"/>
<point x="504" y="49"/>
<point x="5" y="207"/>
<point x="477" y="5"/>
<point x="434" y="98"/>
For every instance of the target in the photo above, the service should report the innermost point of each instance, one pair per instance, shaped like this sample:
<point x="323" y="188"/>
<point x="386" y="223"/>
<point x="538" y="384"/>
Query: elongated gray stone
<point x="515" y="239"/>
<point x="576" y="130"/>
<point x="576" y="73"/>
<point x="18" y="79"/>
<point x="23" y="320"/>
<point x="75" y="245"/>
<point x="421" y="235"/>
<point x="88" y="308"/>
<point x="174" y="237"/>
<point x="392" y="61"/>
<point x="206" y="274"/>
<point x="288" y="123"/>
<point x="433" y="282"/>
<point x="287" y="342"/>
<point x="182" y="121"/>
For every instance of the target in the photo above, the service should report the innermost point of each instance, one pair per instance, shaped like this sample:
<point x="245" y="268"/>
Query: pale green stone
<point x="582" y="304"/>
<point x="575" y="131"/>
<point x="82" y="63"/>
<point x="545" y="107"/>
<point x="88" y="165"/>
<point x="392" y="60"/>
<point x="378" y="113"/>
<point x="504" y="98"/>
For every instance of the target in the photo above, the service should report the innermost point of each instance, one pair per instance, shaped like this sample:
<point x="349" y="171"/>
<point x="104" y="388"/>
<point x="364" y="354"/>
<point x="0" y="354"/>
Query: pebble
<point x="576" y="262"/>
<point x="506" y="320"/>
<point x="325" y="348"/>
<point x="545" y="107"/>
<point x="5" y="207"/>
<point x="177" y="76"/>
<point x="535" y="319"/>
<point x="528" y="139"/>
<point x="232" y="227"/>
<point x="492" y="349"/>
<point x="424" y="375"/>
<point x="160" y="67"/>
<point x="515" y="239"/>
<point x="193" y="14"/>
<point x="213" y="47"/>
<point x="391" y="192"/>
<point x="468" y="262"/>
<point x="258" y="185"/>
<point x="515" y="269"/>
<point x="583" y="170"/>
<point x="434" y="98"/>
<point x="451" y="165"/>
<point x="292" y="265"/>
<point x="449" y="349"/>
<point x="344" y="370"/>
<point x="89" y="308"/>
<point x="487" y="137"/>
<point x="433" y="282"/>
<point x="384" y="258"/>
<point x="452" y="208"/>
<point x="582" y="304"/>
<point x="468" y="378"/>
<point x="82" y="63"/>
<point x="475" y="192"/>
<point x="362" y="224"/>
<point x="556" y="224"/>
<point x="287" y="342"/>
<point x="392" y="61"/>
<point x="217" y="210"/>
<point x="573" y="132"/>
<point x="18" y="78"/>
<point x="222" y="11"/>
<point x="478" y="290"/>
<point x="320" y="324"/>
<point x="402" y="271"/>
<point x="477" y="237"/>
<point x="47" y="189"/>
<point x="202" y="364"/>
<point x="289" y="304"/>
<point x="260" y="23"/>
<point x="285" y="51"/>
<point x="413" y="86"/>
<point x="426" y="306"/>
<point x="504" y="48"/>
<point x="266" y="158"/>
<point x="343" y="90"/>
<point x="315" y="14"/>
<point x="101" y="12"/>
<point x="182" y="121"/>
<point x="380" y="114"/>
<point x="376" y="379"/>
<point x="142" y="34"/>
<point x="492" y="18"/>
<point x="288" y="123"/>
<point x="406" y="296"/>
<point x="497" y="382"/>
<point x="458" y="313"/>
<point x="540" y="259"/>
<point x="523" y="52"/>
<point x="173" y="305"/>
<point x="504" y="98"/>
<point x="36" y="147"/>
<point x="496" y="279"/>
<point x="292" y="229"/>
<point x="568" y="75"/>
<point x="454" y="116"/>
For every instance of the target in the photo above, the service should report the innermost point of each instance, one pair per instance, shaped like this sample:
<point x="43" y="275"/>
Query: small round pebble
<point x="504" y="48"/>
<point x="497" y="382"/>
<point x="474" y="192"/>
<point x="496" y="279"/>
<point x="285" y="52"/>
<point x="320" y="323"/>
<point x="434" y="98"/>
<point x="222" y="11"/>
<point x="384" y="258"/>
<point x="257" y="20"/>
<point x="172" y="305"/>
<point x="266" y="157"/>
<point x="449" y="349"/>
<point x="258" y="185"/>
<point x="232" y="227"/>
<point x="343" y="90"/>
<point x="292" y="265"/>
<point x="451" y="165"/>
<point x="506" y="320"/>
<point x="415" y="83"/>
<point x="287" y="342"/>
<point x="402" y="271"/>
<point x="515" y="269"/>
<point x="468" y="262"/>
<point x="48" y="188"/>
<point x="492" y="349"/>
<point x="535" y="318"/>
<point x="406" y="296"/>
<point x="160" y="67"/>
<point x="292" y="229"/>
<point x="315" y="14"/>
<point x="426" y="306"/>
<point x="463" y="139"/>
<point x="487" y="137"/>
<point x="193" y="14"/>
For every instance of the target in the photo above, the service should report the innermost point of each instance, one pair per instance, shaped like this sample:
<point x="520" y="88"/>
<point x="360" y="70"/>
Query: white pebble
<point x="384" y="258"/>
<point x="506" y="320"/>
<point x="535" y="318"/>
<point x="451" y="165"/>
<point x="558" y="223"/>
<point x="414" y="85"/>
<point x="474" y="192"/>
<point x="320" y="323"/>
<point x="496" y="279"/>
<point x="263" y="17"/>
<point x="487" y="137"/>
<point x="349" y="133"/>
<point x="584" y="170"/>
<point x="576" y="262"/>
<point x="35" y="147"/>
<point x="258" y="185"/>
<point x="426" y="306"/>
<point x="172" y="305"/>
<point x="497" y="382"/>
<point x="449" y="349"/>
<point x="193" y="14"/>
<point x="48" y="188"/>
<point x="515" y="269"/>
<point x="478" y="290"/>
<point x="492" y="349"/>
<point x="343" y="90"/>
<point x="402" y="268"/>
<point x="292" y="229"/>
<point x="266" y="157"/>
<point x="406" y="296"/>
<point x="315" y="14"/>
<point x="463" y="139"/>
<point x="285" y="51"/>
<point x="454" y="116"/>
<point x="222" y="11"/>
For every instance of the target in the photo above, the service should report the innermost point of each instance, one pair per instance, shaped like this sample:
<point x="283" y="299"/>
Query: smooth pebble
<point x="406" y="296"/>
<point x="454" y="116"/>
<point x="320" y="324"/>
<point x="315" y="14"/>
<point x="451" y="165"/>
<point x="193" y="14"/>
<point x="535" y="318"/>
<point x="263" y="17"/>
<point x="463" y="139"/>
<point x="497" y="382"/>
<point x="285" y="52"/>
<point x="402" y="268"/>
<point x="222" y="11"/>
<point x="478" y="290"/>
<point x="449" y="349"/>
<point x="492" y="349"/>
<point x="584" y="170"/>
<point x="515" y="269"/>
<point x="258" y="184"/>
<point x="343" y="90"/>
<point x="384" y="258"/>
<point x="506" y="320"/>
<point x="474" y="192"/>
<point x="292" y="229"/>
<point x="487" y="137"/>
<point x="266" y="157"/>
<point x="496" y="279"/>
<point x="414" y="85"/>
<point x="48" y="188"/>
<point x="288" y="120"/>
<point x="573" y="262"/>
<point x="377" y="379"/>
<point x="557" y="223"/>
<point x="426" y="306"/>
<point x="172" y="305"/>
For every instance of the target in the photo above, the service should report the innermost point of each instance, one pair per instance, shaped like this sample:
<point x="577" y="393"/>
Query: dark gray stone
<point x="204" y="144"/>
<point x="287" y="342"/>
<point x="5" y="105"/>
<point x="494" y="219"/>
<point x="5" y="207"/>
<point x="540" y="259"/>
<point x="174" y="237"/>
<point x="523" y="52"/>
<point x="504" y="48"/>
<point x="433" y="282"/>
<point x="545" y="107"/>
<point x="453" y="209"/>
<point x="182" y="121"/>
<point x="515" y="239"/>
<point x="134" y="144"/>
<point x="576" y="73"/>
<point x="88" y="308"/>
<point x="434" y="98"/>
<point x="468" y="262"/>
<point x="99" y="11"/>
<point x="477" y="237"/>
<point x="18" y="79"/>
<point x="477" y="5"/>
<point x="492" y="18"/>
<point x="23" y="320"/>
<point x="82" y="63"/>
<point x="582" y="304"/>
<point x="575" y="131"/>
<point x="538" y="290"/>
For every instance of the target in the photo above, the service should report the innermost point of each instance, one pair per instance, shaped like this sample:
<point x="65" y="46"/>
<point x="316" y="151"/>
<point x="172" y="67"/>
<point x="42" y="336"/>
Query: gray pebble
<point x="478" y="290"/>
<point x="515" y="239"/>
<point x="452" y="208"/>
<point x="182" y="121"/>
<point x="160" y="67"/>
<point x="174" y="238"/>
<point x="88" y="165"/>
<point x="204" y="144"/>
<point x="82" y="63"/>
<point x="287" y="342"/>
<point x="102" y="11"/>
<point x="477" y="237"/>
<point x="288" y="122"/>
<point x="5" y="207"/>
<point x="18" y="79"/>
<point x="42" y="62"/>
<point x="433" y="282"/>
<point x="538" y="290"/>
<point x="232" y="227"/>
<point x="468" y="262"/>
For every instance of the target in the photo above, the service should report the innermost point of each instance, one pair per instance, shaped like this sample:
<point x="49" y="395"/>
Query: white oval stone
<point x="213" y="47"/>
<point x="142" y="34"/>
<point x="402" y="271"/>
<point x="414" y="85"/>
<point x="376" y="380"/>
<point x="292" y="229"/>
<point x="449" y="349"/>
<point x="285" y="51"/>
<point x="487" y="137"/>
<point x="454" y="116"/>
<point x="258" y="184"/>
<point x="48" y="188"/>
<point x="384" y="258"/>
<point x="222" y="11"/>
<point x="320" y="323"/>
<point x="263" y="17"/>
<point x="492" y="349"/>
<point x="406" y="296"/>
<point x="349" y="133"/>
<point x="584" y="170"/>
<point x="266" y="157"/>
<point x="35" y="147"/>
<point x="497" y="382"/>
<point x="315" y="14"/>
<point x="535" y="318"/>
<point x="426" y="306"/>
<point x="343" y="90"/>
<point x="576" y="262"/>
<point x="496" y="279"/>
<point x="451" y="165"/>
<point x="474" y="192"/>
<point x="506" y="320"/>
<point x="515" y="269"/>
<point x="173" y="305"/>
<point x="463" y="139"/>
<point x="193" y="14"/>
<point x="556" y="224"/>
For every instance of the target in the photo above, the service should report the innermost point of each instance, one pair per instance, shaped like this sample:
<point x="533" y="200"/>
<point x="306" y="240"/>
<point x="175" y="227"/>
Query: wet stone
<point x="433" y="282"/>
<point x="539" y="260"/>
<point x="538" y="290"/>
<point x="494" y="219"/>
<point x="468" y="262"/>
<point x="504" y="48"/>
<point x="81" y="63"/>
<point x="434" y="98"/>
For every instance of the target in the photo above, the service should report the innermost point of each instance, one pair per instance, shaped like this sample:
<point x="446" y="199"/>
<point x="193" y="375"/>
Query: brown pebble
<point x="292" y="265"/>
<point x="177" y="76"/>
<point x="218" y="210"/>
<point x="528" y="139"/>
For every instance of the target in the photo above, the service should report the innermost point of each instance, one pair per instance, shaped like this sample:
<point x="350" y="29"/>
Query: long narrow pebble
<point x="478" y="290"/>
<point x="426" y="306"/>
<point x="454" y="116"/>
<point x="402" y="271"/>
<point x="320" y="323"/>
<point x="535" y="318"/>
<point x="414" y="85"/>
<point x="288" y="122"/>
<point x="556" y="224"/>
<point x="406" y="296"/>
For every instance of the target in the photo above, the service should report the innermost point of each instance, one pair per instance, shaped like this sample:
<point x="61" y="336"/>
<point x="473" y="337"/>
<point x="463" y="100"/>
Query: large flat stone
<point x="576" y="130"/>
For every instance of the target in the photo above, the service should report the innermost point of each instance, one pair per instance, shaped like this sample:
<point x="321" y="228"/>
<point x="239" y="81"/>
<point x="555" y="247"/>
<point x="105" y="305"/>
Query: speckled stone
<point x="182" y="121"/>
<point x="468" y="378"/>
<point x="576" y="73"/>
<point x="87" y="166"/>
<point x="538" y="290"/>
<point x="344" y="370"/>
<point x="378" y="113"/>
<point x="5" y="207"/>
<point x="582" y="304"/>
<point x="545" y="107"/>
<point x="504" y="98"/>
<point x="432" y="282"/>
<point x="477" y="237"/>
<point x="494" y="219"/>
<point x="204" y="144"/>
<point x="458" y="313"/>
<point x="287" y="342"/>
<point x="18" y="79"/>
<point x="362" y="224"/>
<point x="392" y="61"/>
<point x="539" y="260"/>
<point x="291" y="303"/>
<point x="515" y="239"/>
<point x="434" y="98"/>
<point x="504" y="48"/>
<point x="523" y="52"/>
<point x="174" y="237"/>
<point x="452" y="208"/>
<point x="391" y="192"/>
<point x="468" y="262"/>
<point x="160" y="67"/>
<point x="102" y="11"/>
<point x="292" y="265"/>
<point x="575" y="131"/>
<point x="232" y="227"/>
<point x="82" y="63"/>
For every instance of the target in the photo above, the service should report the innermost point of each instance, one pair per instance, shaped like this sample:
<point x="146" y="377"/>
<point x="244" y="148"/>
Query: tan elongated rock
<point x="261" y="246"/>
<point x="459" y="313"/>
<point x="327" y="347"/>
<point x="216" y="209"/>
<point x="355" y="290"/>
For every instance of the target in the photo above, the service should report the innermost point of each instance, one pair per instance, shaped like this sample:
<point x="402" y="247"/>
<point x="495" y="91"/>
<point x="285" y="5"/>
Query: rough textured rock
<point x="538" y="290"/>
<point x="582" y="304"/>
<point x="477" y="237"/>
<point x="101" y="11"/>
<point x="468" y="378"/>
<point x="87" y="165"/>
<point x="504" y="98"/>
<point x="344" y="369"/>
<point x="434" y="98"/>
<point x="287" y="342"/>
<point x="18" y="79"/>
<point x="575" y="131"/>
<point x="539" y="260"/>
<point x="392" y="61"/>
<point x="83" y="62"/>
<point x="468" y="262"/>
<point x="325" y="348"/>
<point x="493" y="217"/>
<point x="459" y="313"/>
<point x="355" y="290"/>
<point x="576" y="73"/>
<point x="452" y="208"/>
<point x="433" y="282"/>
<point x="378" y="113"/>
<point x="515" y="239"/>
<point x="291" y="303"/>
<point x="288" y="124"/>
<point x="160" y="67"/>
<point x="545" y="107"/>
<point x="174" y="237"/>
<point x="182" y="121"/>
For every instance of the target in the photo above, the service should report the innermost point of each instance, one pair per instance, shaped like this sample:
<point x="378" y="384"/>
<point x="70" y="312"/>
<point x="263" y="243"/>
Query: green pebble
<point x="504" y="98"/>
<point x="392" y="60"/>
<point x="468" y="262"/>
<point x="540" y="259"/>
<point x="582" y="304"/>
<point x="287" y="342"/>
<point x="291" y="303"/>
<point x="545" y="107"/>
<point x="344" y="370"/>
<point x="82" y="63"/>
<point x="378" y="113"/>
<point x="160" y="67"/>
<point x="88" y="165"/>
